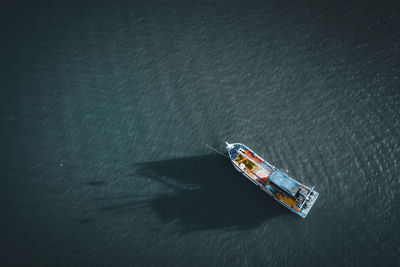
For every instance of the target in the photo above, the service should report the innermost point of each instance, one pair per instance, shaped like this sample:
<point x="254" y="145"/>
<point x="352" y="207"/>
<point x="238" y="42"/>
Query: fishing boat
<point x="292" y="194"/>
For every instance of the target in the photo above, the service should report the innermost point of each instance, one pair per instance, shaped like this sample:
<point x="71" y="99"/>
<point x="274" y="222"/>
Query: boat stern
<point x="310" y="202"/>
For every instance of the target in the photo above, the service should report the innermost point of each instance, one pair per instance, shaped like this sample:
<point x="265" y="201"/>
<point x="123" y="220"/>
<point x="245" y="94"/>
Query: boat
<point x="292" y="194"/>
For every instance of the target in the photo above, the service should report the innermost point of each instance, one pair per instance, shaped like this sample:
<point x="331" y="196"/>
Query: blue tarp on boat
<point x="282" y="180"/>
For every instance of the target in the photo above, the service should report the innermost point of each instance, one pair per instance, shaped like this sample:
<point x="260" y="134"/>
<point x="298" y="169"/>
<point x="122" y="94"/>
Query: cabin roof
<point x="283" y="181"/>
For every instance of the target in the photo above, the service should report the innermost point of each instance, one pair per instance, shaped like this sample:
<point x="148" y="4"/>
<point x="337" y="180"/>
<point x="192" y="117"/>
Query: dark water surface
<point x="104" y="104"/>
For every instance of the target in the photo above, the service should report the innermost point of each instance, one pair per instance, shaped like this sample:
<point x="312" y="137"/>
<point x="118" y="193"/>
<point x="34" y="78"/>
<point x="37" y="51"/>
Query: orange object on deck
<point x="250" y="155"/>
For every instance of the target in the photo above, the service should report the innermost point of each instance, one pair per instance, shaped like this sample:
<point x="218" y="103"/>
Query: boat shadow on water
<point x="208" y="193"/>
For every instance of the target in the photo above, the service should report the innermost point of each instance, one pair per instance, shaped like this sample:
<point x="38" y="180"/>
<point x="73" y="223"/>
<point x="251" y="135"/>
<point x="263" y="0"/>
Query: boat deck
<point x="251" y="166"/>
<point x="262" y="173"/>
<point x="295" y="196"/>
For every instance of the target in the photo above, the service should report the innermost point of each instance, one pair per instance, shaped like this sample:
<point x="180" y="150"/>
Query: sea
<point x="106" y="107"/>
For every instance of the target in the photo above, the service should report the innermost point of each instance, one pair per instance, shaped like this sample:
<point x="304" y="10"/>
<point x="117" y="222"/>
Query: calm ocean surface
<point x="104" y="106"/>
